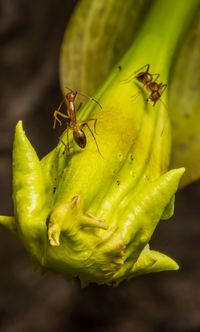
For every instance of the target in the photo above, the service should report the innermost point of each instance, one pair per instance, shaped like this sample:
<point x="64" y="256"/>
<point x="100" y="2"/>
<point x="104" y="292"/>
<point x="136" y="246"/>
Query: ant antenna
<point x="69" y="89"/>
<point x="147" y="70"/>
<point x="128" y="79"/>
<point x="81" y="94"/>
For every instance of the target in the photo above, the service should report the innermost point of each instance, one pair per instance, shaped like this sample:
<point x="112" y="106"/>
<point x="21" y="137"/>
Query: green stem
<point x="161" y="34"/>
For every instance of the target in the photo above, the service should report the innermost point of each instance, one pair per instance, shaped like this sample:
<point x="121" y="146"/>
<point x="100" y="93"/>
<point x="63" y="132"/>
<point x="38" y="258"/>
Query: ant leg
<point x="60" y="139"/>
<point x="163" y="104"/>
<point x="79" y="106"/>
<point x="67" y="138"/>
<point x="57" y="119"/>
<point x="91" y="119"/>
<point x="161" y="88"/>
<point x="62" y="102"/>
<point x="85" y="124"/>
<point x="168" y="114"/>
<point x="165" y="124"/>
<point x="61" y="136"/>
<point x="138" y="93"/>
<point x="58" y="112"/>
<point x="156" y="76"/>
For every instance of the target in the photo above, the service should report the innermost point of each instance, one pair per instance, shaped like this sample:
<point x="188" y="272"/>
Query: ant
<point x="72" y="123"/>
<point x="149" y="83"/>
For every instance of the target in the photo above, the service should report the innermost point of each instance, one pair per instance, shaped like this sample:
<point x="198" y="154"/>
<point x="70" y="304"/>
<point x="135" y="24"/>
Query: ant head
<point x="144" y="77"/>
<point x="71" y="96"/>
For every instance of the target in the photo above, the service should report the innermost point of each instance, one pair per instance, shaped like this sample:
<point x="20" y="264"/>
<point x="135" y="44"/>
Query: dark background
<point x="30" y="38"/>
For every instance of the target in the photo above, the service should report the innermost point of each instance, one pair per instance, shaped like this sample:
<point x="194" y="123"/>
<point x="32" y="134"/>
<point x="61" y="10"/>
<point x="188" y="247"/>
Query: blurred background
<point x="30" y="37"/>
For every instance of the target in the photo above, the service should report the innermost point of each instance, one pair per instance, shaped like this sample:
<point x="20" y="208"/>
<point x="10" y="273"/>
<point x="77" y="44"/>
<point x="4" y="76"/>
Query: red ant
<point x="72" y="123"/>
<point x="156" y="89"/>
<point x="146" y="78"/>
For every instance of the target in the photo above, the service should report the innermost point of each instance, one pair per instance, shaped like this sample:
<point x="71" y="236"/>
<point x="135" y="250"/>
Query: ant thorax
<point x="153" y="86"/>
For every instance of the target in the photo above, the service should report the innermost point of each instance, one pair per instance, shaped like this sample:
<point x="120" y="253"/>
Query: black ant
<point x="72" y="123"/>
<point x="149" y="83"/>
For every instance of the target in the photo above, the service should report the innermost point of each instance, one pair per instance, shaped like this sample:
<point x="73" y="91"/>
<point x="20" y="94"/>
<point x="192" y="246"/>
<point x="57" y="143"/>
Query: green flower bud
<point x="100" y="236"/>
<point x="91" y="215"/>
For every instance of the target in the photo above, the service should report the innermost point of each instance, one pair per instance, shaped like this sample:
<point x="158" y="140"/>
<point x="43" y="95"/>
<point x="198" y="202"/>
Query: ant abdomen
<point x="155" y="95"/>
<point x="79" y="137"/>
